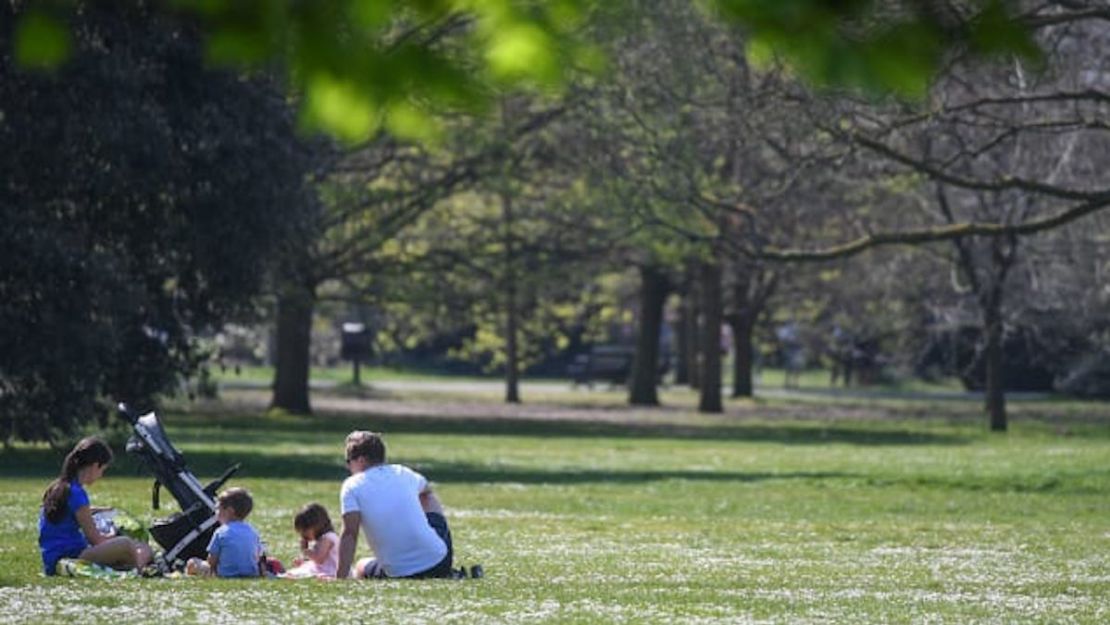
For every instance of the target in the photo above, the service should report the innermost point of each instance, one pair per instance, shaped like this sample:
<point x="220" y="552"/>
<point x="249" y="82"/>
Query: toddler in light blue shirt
<point x="235" y="549"/>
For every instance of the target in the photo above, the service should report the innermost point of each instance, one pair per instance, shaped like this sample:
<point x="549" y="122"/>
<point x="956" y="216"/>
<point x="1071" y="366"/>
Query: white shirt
<point x="388" y="498"/>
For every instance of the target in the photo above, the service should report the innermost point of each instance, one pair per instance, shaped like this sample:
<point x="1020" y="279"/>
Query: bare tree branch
<point x="934" y="234"/>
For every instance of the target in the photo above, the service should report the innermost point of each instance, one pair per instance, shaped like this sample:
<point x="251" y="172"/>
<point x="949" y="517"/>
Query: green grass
<point x="891" y="512"/>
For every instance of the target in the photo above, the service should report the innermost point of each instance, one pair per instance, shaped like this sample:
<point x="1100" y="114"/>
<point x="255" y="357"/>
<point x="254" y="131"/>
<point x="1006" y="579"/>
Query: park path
<point x="493" y="387"/>
<point x="555" y="401"/>
<point x="764" y="391"/>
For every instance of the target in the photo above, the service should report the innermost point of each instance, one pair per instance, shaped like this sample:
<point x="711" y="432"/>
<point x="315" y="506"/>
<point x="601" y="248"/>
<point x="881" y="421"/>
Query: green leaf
<point x="41" y="41"/>
<point x="237" y="46"/>
<point x="994" y="31"/>
<point x="760" y="53"/>
<point x="591" y="59"/>
<point x="340" y="108"/>
<point x="409" y="122"/>
<point x="372" y="14"/>
<point x="522" y="51"/>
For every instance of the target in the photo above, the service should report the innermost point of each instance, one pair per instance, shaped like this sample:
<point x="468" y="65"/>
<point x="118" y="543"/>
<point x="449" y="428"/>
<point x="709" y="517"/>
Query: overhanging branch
<point x="946" y="232"/>
<point x="999" y="185"/>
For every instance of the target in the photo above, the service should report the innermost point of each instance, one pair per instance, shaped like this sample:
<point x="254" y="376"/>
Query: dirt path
<point x="478" y="400"/>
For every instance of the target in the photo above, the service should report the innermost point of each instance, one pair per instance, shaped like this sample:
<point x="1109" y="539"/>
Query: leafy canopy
<point x="363" y="65"/>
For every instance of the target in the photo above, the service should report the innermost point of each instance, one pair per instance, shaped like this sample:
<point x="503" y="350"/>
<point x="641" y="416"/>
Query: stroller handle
<point x="127" y="413"/>
<point x="215" y="484"/>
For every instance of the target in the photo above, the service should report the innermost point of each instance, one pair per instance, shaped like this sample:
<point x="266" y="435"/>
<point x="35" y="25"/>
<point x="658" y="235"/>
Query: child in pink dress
<point x="319" y="544"/>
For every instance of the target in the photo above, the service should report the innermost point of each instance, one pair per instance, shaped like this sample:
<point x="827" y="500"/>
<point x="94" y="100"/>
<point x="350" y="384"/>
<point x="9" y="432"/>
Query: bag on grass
<point x="75" y="567"/>
<point x="116" y="522"/>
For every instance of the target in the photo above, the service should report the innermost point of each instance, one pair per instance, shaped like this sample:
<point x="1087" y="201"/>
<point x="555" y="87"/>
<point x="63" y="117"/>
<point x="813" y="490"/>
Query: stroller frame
<point x="186" y="533"/>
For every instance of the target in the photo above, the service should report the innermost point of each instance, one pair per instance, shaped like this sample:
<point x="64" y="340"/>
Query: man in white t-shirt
<point x="395" y="507"/>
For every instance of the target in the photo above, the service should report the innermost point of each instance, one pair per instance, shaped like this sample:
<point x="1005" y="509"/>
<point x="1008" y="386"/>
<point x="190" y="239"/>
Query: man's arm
<point x="429" y="502"/>
<point x="348" y="542"/>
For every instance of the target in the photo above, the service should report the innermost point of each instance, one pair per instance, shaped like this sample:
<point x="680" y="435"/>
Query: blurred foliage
<point x="119" y="243"/>
<point x="875" y="45"/>
<point x="358" y="66"/>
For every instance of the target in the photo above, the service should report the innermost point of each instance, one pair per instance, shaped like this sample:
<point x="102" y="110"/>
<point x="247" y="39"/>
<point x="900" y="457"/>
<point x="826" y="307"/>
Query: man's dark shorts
<point x="443" y="568"/>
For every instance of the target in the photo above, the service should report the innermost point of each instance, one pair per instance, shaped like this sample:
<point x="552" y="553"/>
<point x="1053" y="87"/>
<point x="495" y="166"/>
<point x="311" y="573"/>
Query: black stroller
<point x="183" y="534"/>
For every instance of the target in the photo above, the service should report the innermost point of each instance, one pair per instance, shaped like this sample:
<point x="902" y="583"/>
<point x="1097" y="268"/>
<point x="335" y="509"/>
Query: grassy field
<point x="888" y="512"/>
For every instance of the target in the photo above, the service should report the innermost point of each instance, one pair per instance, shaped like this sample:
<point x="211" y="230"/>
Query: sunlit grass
<point x="879" y="514"/>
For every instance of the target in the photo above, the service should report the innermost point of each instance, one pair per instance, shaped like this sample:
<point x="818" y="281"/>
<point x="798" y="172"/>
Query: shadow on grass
<point x="190" y="432"/>
<point x="264" y="432"/>
<point x="461" y="472"/>
<point x="248" y="429"/>
<point x="208" y="464"/>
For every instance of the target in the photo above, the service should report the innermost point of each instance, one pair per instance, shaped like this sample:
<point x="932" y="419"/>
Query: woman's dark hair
<point x="87" y="452"/>
<point x="313" y="517"/>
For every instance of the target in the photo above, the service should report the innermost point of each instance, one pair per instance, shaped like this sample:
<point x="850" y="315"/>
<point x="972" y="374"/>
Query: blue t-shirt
<point x="63" y="539"/>
<point x="238" y="548"/>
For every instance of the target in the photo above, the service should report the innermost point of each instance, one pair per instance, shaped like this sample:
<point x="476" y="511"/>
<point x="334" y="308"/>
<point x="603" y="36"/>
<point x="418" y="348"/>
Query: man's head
<point x="235" y="503"/>
<point x="368" y="446"/>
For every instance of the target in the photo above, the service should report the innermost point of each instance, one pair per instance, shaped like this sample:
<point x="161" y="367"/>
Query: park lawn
<point x="681" y="519"/>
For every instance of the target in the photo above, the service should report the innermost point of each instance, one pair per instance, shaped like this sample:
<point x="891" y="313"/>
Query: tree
<point x="368" y="196"/>
<point x="371" y="194"/>
<point x="510" y="256"/>
<point x="1000" y="149"/>
<point x="144" y="196"/>
<point x="750" y="285"/>
<point x="715" y="151"/>
<point x="654" y="288"/>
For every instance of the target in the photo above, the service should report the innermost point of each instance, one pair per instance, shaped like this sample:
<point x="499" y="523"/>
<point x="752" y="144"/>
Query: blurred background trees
<point x="144" y="195"/>
<point x="881" y="191"/>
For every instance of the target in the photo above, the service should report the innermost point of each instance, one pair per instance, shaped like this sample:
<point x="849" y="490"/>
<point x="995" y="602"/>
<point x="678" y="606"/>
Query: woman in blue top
<point x="66" y="527"/>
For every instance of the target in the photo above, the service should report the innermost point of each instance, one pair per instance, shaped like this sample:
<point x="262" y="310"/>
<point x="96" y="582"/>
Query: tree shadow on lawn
<point x="41" y="463"/>
<point x="258" y="465"/>
<point x="464" y="472"/>
<point x="206" y="465"/>
<point x="328" y="427"/>
<point x="192" y="433"/>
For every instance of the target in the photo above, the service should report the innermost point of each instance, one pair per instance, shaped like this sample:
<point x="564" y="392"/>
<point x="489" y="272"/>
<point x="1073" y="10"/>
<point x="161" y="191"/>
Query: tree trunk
<point x="645" y="367"/>
<point x="682" y="344"/>
<point x="294" y="337"/>
<point x="988" y="286"/>
<point x="710" y="374"/>
<point x="512" y="364"/>
<point x="743" y="325"/>
<point x="995" y="396"/>
<point x="694" y="339"/>
<point x="749" y="291"/>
